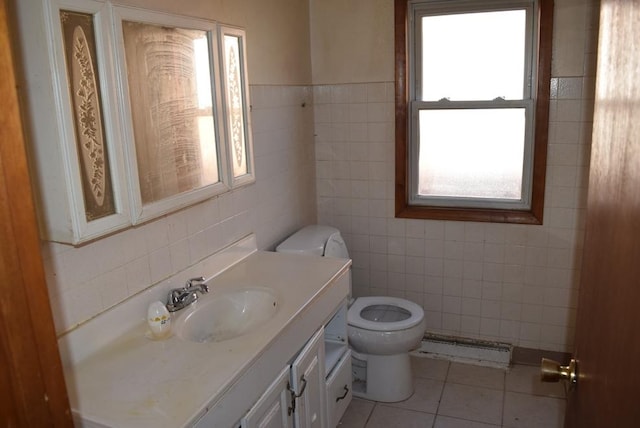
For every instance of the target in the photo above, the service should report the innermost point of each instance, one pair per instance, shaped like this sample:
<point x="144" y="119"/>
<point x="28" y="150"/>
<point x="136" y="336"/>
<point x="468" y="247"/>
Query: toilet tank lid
<point x="308" y="240"/>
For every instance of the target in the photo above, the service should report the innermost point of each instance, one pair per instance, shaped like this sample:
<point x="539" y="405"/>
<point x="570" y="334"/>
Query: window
<point x="472" y="100"/>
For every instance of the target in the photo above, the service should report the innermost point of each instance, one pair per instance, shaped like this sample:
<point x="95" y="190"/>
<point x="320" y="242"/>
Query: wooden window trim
<point x="541" y="130"/>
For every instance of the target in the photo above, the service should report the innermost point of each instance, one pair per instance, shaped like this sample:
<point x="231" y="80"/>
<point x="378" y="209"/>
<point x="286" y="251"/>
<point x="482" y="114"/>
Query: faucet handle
<point x="174" y="296"/>
<point x="190" y="282"/>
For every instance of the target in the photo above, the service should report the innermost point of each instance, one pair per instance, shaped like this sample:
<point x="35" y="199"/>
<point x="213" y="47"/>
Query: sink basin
<point x="227" y="315"/>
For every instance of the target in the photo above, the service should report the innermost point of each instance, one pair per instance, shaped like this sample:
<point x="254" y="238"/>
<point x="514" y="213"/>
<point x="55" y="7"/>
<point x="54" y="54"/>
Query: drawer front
<point x="339" y="389"/>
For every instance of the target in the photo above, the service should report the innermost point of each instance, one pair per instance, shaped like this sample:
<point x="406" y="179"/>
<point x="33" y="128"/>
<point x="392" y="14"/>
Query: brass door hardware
<point x="552" y="371"/>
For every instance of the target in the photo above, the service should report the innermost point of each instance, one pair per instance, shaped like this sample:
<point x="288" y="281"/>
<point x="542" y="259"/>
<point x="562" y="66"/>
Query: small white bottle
<point x="159" y="320"/>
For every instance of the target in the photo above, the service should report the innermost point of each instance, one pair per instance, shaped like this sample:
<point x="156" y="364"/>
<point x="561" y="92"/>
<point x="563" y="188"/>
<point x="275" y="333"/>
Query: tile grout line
<point x="375" y="404"/>
<point x="444" y="384"/>
<point x="504" y="397"/>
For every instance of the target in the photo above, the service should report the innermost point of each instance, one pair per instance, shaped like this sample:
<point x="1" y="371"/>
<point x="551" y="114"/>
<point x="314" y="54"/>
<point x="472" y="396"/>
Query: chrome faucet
<point x="180" y="298"/>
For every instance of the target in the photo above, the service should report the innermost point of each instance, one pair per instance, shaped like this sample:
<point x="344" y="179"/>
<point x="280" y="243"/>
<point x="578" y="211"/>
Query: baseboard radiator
<point x="471" y="351"/>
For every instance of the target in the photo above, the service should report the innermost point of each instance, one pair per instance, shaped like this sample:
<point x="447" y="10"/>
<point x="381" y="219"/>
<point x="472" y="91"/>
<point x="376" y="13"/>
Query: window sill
<point x="467" y="214"/>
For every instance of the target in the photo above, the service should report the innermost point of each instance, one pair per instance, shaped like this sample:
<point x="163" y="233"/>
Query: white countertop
<point x="134" y="381"/>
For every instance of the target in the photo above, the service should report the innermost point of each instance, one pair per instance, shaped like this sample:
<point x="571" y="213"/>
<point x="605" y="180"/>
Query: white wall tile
<point x="507" y="278"/>
<point x="112" y="287"/>
<point x="433" y="284"/>
<point x="160" y="264"/>
<point x="87" y="280"/>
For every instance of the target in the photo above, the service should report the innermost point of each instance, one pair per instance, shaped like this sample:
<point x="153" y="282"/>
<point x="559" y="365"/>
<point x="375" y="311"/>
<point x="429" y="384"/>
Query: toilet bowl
<point x="381" y="329"/>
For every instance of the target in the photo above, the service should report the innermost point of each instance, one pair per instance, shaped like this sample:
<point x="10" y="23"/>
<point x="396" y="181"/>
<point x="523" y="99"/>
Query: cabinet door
<point x="308" y="384"/>
<point x="339" y="389"/>
<point x="272" y="409"/>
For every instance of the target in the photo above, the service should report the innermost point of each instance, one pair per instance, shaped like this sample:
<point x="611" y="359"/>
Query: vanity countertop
<point x="137" y="381"/>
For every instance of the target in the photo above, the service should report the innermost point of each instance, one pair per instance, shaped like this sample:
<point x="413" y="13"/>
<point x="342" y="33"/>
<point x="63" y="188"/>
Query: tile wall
<point x="512" y="283"/>
<point x="87" y="280"/>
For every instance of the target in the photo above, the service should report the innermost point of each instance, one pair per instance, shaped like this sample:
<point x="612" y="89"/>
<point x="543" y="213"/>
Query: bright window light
<point x="473" y="56"/>
<point x="481" y="159"/>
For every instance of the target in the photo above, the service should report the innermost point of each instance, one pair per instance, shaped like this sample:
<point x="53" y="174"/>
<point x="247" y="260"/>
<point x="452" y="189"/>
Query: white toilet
<point x="382" y="330"/>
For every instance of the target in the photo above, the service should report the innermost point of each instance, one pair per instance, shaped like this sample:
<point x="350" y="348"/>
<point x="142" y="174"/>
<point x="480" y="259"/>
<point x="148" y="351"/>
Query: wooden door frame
<point x="33" y="391"/>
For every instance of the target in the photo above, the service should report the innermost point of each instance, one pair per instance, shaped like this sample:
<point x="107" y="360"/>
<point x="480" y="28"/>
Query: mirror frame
<point x="85" y="229"/>
<point x="249" y="176"/>
<point x="142" y="212"/>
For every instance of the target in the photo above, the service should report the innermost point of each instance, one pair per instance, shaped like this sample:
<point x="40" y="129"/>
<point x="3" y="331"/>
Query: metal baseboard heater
<point x="472" y="351"/>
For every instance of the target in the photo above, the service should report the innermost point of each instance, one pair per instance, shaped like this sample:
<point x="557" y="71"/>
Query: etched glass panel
<point x="169" y="75"/>
<point x="84" y="87"/>
<point x="235" y="103"/>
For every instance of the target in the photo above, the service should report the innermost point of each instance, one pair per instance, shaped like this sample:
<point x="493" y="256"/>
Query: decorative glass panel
<point x="236" y="117"/>
<point x="169" y="75"/>
<point x="84" y="86"/>
<point x="482" y="158"/>
<point x="474" y="56"/>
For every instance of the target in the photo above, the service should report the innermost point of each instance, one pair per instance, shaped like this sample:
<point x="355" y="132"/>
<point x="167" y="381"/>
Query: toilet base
<point x="388" y="377"/>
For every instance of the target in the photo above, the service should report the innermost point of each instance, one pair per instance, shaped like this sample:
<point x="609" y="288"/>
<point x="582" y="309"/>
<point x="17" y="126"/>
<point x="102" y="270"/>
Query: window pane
<point x="471" y="153"/>
<point x="473" y="56"/>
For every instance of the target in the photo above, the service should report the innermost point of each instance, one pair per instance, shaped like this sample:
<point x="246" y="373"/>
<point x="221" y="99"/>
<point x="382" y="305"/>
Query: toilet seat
<point x="355" y="319"/>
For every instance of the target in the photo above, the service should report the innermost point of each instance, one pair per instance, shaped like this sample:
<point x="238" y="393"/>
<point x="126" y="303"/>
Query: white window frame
<point x="420" y="8"/>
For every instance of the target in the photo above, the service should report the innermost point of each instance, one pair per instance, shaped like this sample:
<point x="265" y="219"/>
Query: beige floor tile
<point x="467" y="374"/>
<point x="429" y="368"/>
<point x="384" y="416"/>
<point x="528" y="411"/>
<point x="425" y="398"/>
<point x="447" y="422"/>
<point x="526" y="379"/>
<point x="473" y="399"/>
<point x="472" y="403"/>
<point x="356" y="414"/>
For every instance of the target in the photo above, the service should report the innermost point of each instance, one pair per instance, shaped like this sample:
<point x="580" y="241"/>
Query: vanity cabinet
<point x="272" y="409"/>
<point x="296" y="397"/>
<point x="122" y="378"/>
<point x="337" y="367"/>
<point x="315" y="389"/>
<point x="308" y="384"/>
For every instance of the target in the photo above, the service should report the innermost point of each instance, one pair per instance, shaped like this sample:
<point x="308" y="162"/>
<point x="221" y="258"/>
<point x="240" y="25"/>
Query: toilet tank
<point x="315" y="240"/>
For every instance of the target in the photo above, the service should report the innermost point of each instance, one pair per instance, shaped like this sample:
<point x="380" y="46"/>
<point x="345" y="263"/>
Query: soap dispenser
<point x="159" y="320"/>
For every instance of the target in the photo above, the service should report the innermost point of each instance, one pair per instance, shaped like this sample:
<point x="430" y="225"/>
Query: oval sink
<point x="227" y="315"/>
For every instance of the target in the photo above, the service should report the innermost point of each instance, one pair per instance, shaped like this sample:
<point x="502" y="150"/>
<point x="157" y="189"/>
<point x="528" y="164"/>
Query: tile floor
<point x="454" y="395"/>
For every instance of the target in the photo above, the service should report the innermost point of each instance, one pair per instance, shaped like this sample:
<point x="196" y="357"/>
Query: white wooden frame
<point x="143" y="212"/>
<point x="249" y="177"/>
<point x="81" y="229"/>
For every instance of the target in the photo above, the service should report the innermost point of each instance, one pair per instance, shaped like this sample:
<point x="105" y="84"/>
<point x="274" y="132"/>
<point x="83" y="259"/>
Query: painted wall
<point x="512" y="283"/>
<point x="277" y="39"/>
<point x="351" y="41"/>
<point x="87" y="280"/>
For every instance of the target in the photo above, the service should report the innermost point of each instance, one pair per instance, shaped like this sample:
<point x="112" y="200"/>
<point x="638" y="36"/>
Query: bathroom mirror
<point x="169" y="82"/>
<point x="136" y="114"/>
